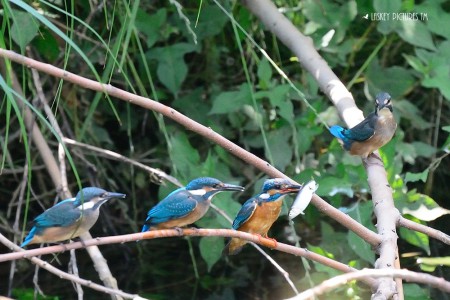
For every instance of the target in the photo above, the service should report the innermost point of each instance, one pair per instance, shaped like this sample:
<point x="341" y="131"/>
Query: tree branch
<point x="431" y="232"/>
<point x="153" y="234"/>
<point x="116" y="156"/>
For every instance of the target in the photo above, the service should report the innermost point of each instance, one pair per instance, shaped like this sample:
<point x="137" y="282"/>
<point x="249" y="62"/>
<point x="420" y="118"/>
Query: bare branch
<point x="184" y="232"/>
<point x="340" y="280"/>
<point x="431" y="232"/>
<point x="116" y="156"/>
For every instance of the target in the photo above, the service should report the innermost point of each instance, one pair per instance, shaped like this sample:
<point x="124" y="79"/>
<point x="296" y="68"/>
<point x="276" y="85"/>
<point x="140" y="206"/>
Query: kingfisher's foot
<point x="275" y="243"/>
<point x="194" y="228"/>
<point x="376" y="156"/>
<point x="378" y="160"/>
<point x="179" y="230"/>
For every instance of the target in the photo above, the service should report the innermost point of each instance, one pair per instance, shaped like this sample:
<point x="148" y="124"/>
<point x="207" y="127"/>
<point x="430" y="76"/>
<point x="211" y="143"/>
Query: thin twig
<point x="116" y="156"/>
<point x="431" y="232"/>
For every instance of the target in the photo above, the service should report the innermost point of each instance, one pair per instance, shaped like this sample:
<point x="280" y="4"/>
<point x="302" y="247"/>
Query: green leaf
<point x="396" y="80"/>
<point x="47" y="45"/>
<point x="211" y="250"/>
<point x="24" y="29"/>
<point x="416" y="63"/>
<point x="362" y="213"/>
<point x="383" y="6"/>
<point x="416" y="33"/>
<point x="156" y="20"/>
<point x="228" y="102"/>
<point x="185" y="158"/>
<point x="412" y="113"/>
<point x="360" y="247"/>
<point x="437" y="18"/>
<point x="413" y="177"/>
<point x="415" y="238"/>
<point x="429" y="264"/>
<point x="264" y="73"/>
<point x="331" y="185"/>
<point x="439" y="79"/>
<point x="210" y="23"/>
<point x="414" y="291"/>
<point x="424" y="149"/>
<point x="280" y="148"/>
<point x="172" y="69"/>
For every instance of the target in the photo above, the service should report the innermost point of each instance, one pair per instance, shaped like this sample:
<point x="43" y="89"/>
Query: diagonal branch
<point x="431" y="232"/>
<point x="116" y="156"/>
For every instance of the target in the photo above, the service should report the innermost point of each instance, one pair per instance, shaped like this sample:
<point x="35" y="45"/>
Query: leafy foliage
<point x="223" y="83"/>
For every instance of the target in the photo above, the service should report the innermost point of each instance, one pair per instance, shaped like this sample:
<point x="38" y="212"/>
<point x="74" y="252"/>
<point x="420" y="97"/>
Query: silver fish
<point x="303" y="198"/>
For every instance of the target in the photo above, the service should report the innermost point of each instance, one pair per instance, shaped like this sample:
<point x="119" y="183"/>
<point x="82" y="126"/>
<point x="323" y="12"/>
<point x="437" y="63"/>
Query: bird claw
<point x="260" y="237"/>
<point x="179" y="230"/>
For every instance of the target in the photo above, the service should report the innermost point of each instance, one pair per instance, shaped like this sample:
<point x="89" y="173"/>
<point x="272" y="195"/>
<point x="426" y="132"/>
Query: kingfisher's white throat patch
<point x="199" y="192"/>
<point x="264" y="196"/>
<point x="86" y="205"/>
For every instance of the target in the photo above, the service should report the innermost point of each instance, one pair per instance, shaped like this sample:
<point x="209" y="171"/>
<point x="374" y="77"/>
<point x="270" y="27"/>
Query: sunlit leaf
<point x="428" y="264"/>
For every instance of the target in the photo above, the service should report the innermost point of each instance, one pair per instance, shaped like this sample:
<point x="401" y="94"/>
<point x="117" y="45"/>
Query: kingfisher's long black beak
<point x="110" y="195"/>
<point x="231" y="187"/>
<point x="293" y="188"/>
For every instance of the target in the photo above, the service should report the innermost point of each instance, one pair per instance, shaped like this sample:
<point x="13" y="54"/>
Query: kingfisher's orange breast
<point x="263" y="217"/>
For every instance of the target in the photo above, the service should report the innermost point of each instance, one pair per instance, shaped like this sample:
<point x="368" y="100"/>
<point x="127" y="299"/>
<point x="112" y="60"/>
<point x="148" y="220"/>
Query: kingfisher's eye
<point x="216" y="186"/>
<point x="104" y="195"/>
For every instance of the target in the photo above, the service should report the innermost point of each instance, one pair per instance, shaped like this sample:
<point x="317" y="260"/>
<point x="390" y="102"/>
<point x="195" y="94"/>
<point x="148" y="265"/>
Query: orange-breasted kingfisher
<point x="186" y="205"/>
<point x="259" y="212"/>
<point x="372" y="133"/>
<point x="69" y="218"/>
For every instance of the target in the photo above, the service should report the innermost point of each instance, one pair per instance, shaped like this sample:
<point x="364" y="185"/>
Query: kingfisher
<point x="69" y="218"/>
<point x="259" y="212"/>
<point x="186" y="205"/>
<point x="372" y="133"/>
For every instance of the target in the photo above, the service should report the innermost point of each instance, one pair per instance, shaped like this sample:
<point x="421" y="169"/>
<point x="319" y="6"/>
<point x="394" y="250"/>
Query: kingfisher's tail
<point x="29" y="237"/>
<point x="338" y="132"/>
<point x="342" y="134"/>
<point x="145" y="228"/>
